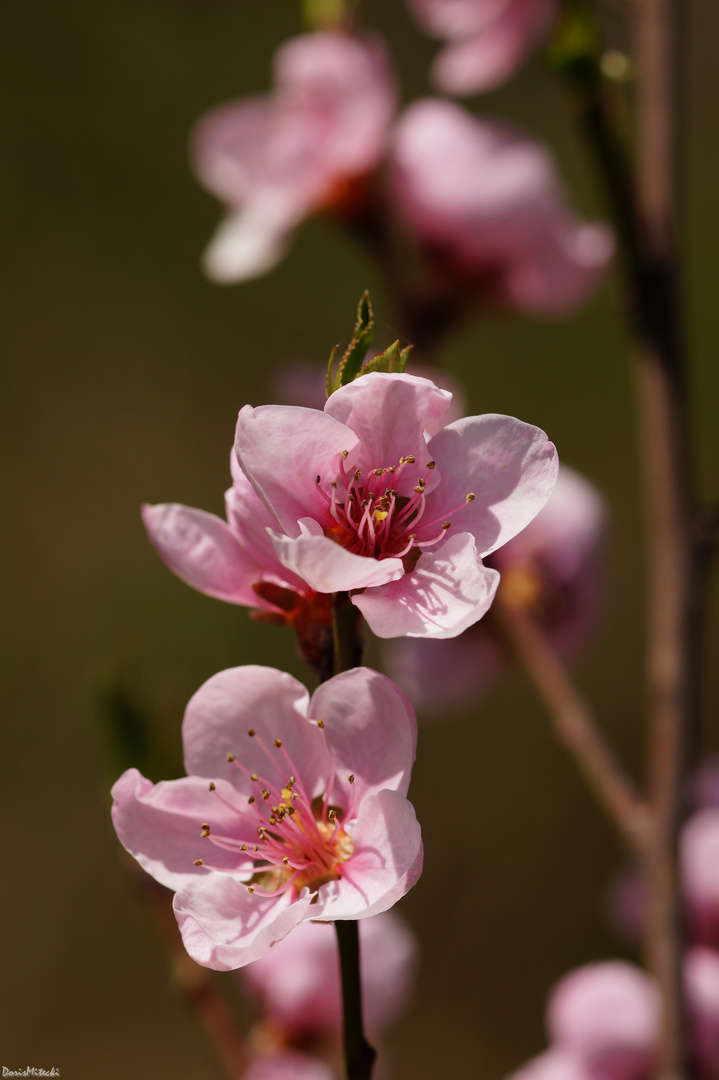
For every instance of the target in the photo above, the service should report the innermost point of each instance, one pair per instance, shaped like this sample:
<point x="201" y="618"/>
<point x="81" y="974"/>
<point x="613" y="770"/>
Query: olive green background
<point x="123" y="371"/>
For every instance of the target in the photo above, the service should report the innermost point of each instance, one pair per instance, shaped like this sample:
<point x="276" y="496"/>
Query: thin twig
<point x="574" y="724"/>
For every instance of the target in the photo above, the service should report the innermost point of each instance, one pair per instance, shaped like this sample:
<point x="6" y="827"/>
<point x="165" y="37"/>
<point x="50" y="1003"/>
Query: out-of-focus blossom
<point x="307" y="146"/>
<point x="298" y="982"/>
<point x="608" y="1015"/>
<point x="366" y="503"/>
<point x="553" y="568"/>
<point x="288" y="1065"/>
<point x="487" y="40"/>
<point x="704" y="785"/>
<point x="701" y="980"/>
<point x="699" y="860"/>
<point x="304" y="815"/>
<point x="557" y="1063"/>
<point x="487" y="207"/>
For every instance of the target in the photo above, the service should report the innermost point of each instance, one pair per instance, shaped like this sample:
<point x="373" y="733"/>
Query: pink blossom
<point x="308" y="145"/>
<point x="288" y="1065"/>
<point x="298" y="983"/>
<point x="608" y="1015"/>
<point x="557" y="1063"/>
<point x="699" y="854"/>
<point x="487" y="39"/>
<point x="486" y="206"/>
<point x="365" y="502"/>
<point x="553" y="568"/>
<point x="293" y="808"/>
<point x="701" y="978"/>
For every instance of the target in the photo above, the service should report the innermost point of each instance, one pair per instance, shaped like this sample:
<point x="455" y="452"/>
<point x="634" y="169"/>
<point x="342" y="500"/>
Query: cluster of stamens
<point x="375" y="521"/>
<point x="285" y="839"/>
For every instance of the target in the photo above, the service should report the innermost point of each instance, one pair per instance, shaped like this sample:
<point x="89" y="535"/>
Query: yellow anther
<point x="199" y="862"/>
<point x="251" y="732"/>
<point x="255" y="847"/>
<point x="251" y="799"/>
<point x="244" y="847"/>
<point x="273" y="820"/>
<point x="421" y="482"/>
<point x="345" y="454"/>
<point x="205" y="831"/>
<point x="351" y="778"/>
<point x="230" y="757"/>
<point x="331" y="815"/>
<point x="418" y="489"/>
<point x="470" y="497"/>
<point x="250" y="888"/>
<point x="212" y="785"/>
<point x="286" y="861"/>
<point x="380" y="515"/>
<point x="446" y="524"/>
<point x="320" y="723"/>
<point x="410" y="459"/>
<point x="431" y="464"/>
<point x="278" y="743"/>
<point x="265" y="793"/>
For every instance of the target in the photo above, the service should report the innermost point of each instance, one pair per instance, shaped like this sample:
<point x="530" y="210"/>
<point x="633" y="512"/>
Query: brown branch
<point x="574" y="725"/>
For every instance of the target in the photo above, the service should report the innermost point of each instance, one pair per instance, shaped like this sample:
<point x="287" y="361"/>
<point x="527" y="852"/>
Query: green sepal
<point x="392" y="360"/>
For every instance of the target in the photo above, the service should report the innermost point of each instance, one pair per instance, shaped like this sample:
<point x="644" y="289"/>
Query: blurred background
<point x="123" y="371"/>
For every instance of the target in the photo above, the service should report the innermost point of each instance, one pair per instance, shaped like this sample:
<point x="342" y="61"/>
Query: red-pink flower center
<point x="373" y="519"/>
<point x="284" y="839"/>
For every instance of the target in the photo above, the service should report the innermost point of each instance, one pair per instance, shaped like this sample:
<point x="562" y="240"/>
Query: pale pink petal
<point x="385" y="862"/>
<point x="699" y="851"/>
<point x="224" y="927"/>
<point x="160" y="825"/>
<point x="202" y="550"/>
<point x="448" y="590"/>
<point x="249" y="243"/>
<point x="509" y="466"/>
<point x="701" y="980"/>
<point x="288" y="1065"/>
<point x="389" y="414"/>
<point x="271" y="703"/>
<point x="557" y="1063"/>
<point x="371" y="731"/>
<point x="608" y="1014"/>
<point x="327" y="567"/>
<point x="564" y="265"/>
<point x="282" y="449"/>
<point x="224" y="145"/>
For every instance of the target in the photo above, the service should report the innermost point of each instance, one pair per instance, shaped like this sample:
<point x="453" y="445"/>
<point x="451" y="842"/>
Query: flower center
<point x="284" y="840"/>
<point x="373" y="520"/>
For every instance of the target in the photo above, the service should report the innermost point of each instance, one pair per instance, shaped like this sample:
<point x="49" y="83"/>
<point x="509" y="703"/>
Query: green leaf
<point x="331" y="364"/>
<point x="353" y="358"/>
<point x="384" y="361"/>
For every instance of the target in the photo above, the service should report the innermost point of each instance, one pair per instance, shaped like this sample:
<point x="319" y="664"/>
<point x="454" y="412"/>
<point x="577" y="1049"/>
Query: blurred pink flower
<point x="308" y="145"/>
<point x="557" y="1063"/>
<point x="487" y="206"/>
<point x="354" y="515"/>
<point x="298" y="982"/>
<point x="701" y="978"/>
<point x="554" y="568"/>
<point x="608" y="1015"/>
<point x="699" y="855"/>
<point x="487" y="39"/>
<point x="288" y="1065"/>
<point x="307" y="820"/>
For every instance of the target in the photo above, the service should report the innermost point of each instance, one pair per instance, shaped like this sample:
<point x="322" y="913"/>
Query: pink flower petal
<point x="557" y="1063"/>
<point x="160" y="825"/>
<point x="271" y="703"/>
<point x="202" y="550"/>
<point x="385" y="862"/>
<point x="282" y="449"/>
<point x="448" y="590"/>
<point x="224" y="927"/>
<point x="249" y="243"/>
<point x="371" y="730"/>
<point x="509" y="466"/>
<point x="327" y="567"/>
<point x="288" y="1065"/>
<point x="389" y="414"/>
